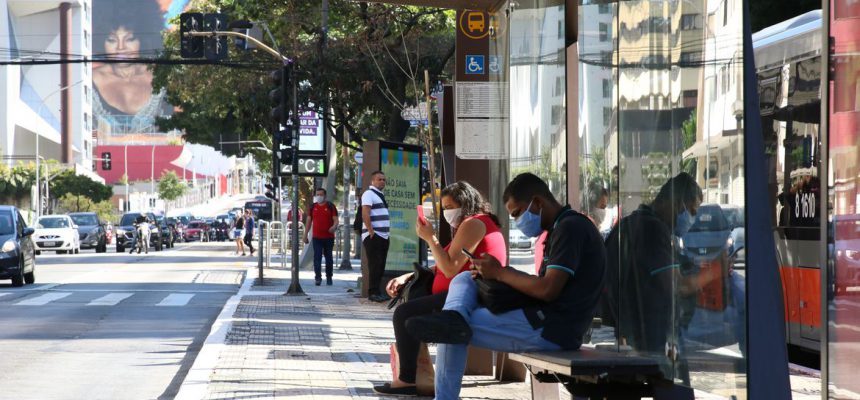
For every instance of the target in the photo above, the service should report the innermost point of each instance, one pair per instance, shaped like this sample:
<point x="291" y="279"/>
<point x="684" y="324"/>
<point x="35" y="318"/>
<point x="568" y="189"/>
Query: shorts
<point x="238" y="233"/>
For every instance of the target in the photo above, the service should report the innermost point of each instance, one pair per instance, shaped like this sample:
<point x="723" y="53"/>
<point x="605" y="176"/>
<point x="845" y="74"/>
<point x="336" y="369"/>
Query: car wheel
<point x="30" y="277"/>
<point x="18" y="281"/>
<point x="77" y="250"/>
<point x="119" y="248"/>
<point x="61" y="252"/>
<point x="38" y="252"/>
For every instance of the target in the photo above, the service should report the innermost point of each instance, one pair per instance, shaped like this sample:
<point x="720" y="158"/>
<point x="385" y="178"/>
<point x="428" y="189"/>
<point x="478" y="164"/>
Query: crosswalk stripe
<point x="4" y="294"/>
<point x="110" y="299"/>
<point x="43" y="299"/>
<point x="176" y="299"/>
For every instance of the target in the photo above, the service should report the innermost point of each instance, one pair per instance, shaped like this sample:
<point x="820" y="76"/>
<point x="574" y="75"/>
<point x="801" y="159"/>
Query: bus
<point x="262" y="209"/>
<point x="788" y="61"/>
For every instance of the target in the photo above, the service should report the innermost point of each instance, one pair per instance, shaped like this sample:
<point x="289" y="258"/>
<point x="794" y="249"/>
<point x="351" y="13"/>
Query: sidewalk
<point x="327" y="344"/>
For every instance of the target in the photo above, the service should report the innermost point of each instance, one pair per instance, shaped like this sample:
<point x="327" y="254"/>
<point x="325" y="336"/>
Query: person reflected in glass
<point x="474" y="228"/>
<point x="650" y="285"/>
<point x="596" y="202"/>
<point x="123" y="94"/>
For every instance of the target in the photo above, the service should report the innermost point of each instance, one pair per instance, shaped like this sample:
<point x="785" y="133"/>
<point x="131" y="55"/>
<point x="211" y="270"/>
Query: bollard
<point x="261" y="248"/>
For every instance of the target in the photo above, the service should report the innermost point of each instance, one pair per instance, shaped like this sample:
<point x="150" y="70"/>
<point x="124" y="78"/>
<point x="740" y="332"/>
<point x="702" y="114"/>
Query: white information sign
<point x="311" y="132"/>
<point x="482" y="110"/>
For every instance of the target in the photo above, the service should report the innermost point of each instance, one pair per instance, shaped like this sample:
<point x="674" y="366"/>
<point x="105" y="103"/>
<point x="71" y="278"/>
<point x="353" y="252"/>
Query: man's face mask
<point x="684" y="222"/>
<point x="528" y="222"/>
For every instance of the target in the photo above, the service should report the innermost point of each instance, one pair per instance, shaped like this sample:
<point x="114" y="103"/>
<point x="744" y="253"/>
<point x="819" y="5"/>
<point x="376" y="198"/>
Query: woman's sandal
<point x="386" y="389"/>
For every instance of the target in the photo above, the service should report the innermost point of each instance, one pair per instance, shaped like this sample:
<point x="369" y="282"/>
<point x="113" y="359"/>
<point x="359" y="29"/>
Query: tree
<point x="170" y="187"/>
<point x="78" y="203"/>
<point x="70" y="202"/>
<point x="67" y="182"/>
<point x="219" y="102"/>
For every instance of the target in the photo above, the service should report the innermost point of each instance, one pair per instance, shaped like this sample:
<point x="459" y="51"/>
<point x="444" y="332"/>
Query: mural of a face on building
<point x="123" y="100"/>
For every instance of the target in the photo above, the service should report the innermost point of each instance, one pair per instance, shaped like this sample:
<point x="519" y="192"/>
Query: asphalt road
<point x="112" y="326"/>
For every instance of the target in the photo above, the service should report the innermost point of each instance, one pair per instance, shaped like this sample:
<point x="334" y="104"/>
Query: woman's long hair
<point x="469" y="199"/>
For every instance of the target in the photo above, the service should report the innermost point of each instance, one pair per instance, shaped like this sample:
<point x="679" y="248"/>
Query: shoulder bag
<point x="419" y="285"/>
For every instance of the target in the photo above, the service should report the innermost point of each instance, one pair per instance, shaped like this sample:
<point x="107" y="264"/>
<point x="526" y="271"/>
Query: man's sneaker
<point x="447" y="326"/>
<point x="328" y="281"/>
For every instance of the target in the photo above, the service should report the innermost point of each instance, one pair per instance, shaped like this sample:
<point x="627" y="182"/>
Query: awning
<point x="716" y="143"/>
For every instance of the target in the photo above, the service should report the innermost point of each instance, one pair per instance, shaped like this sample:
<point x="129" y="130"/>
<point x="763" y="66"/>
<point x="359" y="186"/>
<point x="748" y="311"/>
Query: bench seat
<point x="599" y="374"/>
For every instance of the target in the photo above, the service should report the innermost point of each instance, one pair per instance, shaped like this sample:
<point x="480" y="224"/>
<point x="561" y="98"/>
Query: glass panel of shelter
<point x="665" y="145"/>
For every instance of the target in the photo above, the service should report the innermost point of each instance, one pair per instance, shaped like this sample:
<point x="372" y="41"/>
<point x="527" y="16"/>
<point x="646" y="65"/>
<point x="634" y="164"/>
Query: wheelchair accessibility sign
<point x="474" y="64"/>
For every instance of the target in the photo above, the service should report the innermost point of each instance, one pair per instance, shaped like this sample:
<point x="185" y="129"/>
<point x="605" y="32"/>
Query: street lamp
<point x="38" y="137"/>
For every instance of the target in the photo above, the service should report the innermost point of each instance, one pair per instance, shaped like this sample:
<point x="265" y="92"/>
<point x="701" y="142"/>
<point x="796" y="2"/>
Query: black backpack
<point x="358" y="222"/>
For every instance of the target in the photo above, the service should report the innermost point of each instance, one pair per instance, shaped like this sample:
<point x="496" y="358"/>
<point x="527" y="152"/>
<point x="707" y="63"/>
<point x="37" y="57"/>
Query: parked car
<point x="167" y="236"/>
<point x="91" y="231"/>
<point x="17" y="253"/>
<point x="735" y="216"/>
<point x="197" y="230"/>
<point x="125" y="231"/>
<point x="56" y="233"/>
<point x="517" y="240"/>
<point x="709" y="249"/>
<point x="847" y="246"/>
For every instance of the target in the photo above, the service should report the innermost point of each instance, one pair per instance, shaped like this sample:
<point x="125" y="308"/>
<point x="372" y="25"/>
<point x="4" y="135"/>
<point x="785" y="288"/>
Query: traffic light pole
<point x="295" y="288"/>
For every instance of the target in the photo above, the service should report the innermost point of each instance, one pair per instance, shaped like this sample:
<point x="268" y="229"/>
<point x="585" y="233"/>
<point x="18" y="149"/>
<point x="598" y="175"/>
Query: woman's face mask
<point x="529" y="223"/>
<point x="684" y="222"/>
<point x="453" y="216"/>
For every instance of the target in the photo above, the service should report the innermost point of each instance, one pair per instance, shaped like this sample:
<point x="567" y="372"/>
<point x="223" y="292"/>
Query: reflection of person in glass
<point x="123" y="95"/>
<point x="649" y="293"/>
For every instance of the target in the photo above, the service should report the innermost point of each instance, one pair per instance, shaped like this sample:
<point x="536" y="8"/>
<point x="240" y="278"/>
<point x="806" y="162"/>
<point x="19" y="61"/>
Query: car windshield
<point x="52" y="222"/>
<point x="128" y="219"/>
<point x="710" y="219"/>
<point x="6" y="225"/>
<point x="85" y="219"/>
<point x="194" y="225"/>
<point x="735" y="217"/>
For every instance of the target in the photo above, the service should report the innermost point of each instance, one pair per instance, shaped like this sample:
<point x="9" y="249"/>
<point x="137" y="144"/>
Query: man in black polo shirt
<point x="565" y="291"/>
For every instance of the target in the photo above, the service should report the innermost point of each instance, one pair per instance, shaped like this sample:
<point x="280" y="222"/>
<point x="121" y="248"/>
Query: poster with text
<point x="402" y="168"/>
<point x="125" y="105"/>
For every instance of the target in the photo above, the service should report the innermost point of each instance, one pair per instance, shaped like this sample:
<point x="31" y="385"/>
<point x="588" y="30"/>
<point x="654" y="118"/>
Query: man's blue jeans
<point x="323" y="247"/>
<point x="507" y="332"/>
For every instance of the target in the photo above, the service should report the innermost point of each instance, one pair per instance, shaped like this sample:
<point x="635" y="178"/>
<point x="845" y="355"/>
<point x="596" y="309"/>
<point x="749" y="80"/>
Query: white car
<point x="56" y="233"/>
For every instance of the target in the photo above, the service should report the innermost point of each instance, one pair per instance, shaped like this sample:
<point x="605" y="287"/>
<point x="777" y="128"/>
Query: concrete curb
<point x="196" y="383"/>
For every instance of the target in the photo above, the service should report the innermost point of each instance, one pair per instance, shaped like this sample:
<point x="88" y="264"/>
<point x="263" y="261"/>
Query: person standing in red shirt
<point x="322" y="219"/>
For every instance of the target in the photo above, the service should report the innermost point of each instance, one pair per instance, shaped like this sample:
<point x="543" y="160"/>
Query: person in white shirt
<point x="374" y="234"/>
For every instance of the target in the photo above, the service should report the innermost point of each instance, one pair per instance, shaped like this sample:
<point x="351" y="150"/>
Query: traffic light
<point x="271" y="192"/>
<point x="285" y="145"/>
<point x="190" y="47"/>
<point x="106" y="161"/>
<point x="280" y="95"/>
<point x="216" y="46"/>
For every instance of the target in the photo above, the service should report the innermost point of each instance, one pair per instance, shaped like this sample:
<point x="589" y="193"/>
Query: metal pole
<point x="345" y="263"/>
<point x="295" y="287"/>
<point x="260" y="250"/>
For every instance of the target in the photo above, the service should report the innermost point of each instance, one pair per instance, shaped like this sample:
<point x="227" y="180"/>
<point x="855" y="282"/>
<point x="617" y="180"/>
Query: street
<point x="113" y="326"/>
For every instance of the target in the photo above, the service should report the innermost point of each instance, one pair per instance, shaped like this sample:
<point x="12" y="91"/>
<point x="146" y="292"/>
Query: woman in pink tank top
<point x="475" y="229"/>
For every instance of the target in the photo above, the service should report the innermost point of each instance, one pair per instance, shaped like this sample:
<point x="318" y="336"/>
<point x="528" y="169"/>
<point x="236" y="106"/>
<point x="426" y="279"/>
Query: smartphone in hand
<point x="421" y="217"/>
<point x="468" y="254"/>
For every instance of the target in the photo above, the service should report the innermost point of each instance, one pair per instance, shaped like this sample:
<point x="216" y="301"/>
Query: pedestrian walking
<point x="322" y="219"/>
<point x="249" y="230"/>
<point x="239" y="234"/>
<point x="374" y="234"/>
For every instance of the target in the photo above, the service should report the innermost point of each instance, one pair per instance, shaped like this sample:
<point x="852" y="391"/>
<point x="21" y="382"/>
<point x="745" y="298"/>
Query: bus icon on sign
<point x="476" y="21"/>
